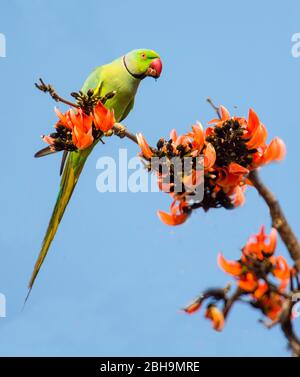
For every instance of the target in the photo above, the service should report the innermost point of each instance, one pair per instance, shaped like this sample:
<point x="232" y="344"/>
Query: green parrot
<point x="123" y="76"/>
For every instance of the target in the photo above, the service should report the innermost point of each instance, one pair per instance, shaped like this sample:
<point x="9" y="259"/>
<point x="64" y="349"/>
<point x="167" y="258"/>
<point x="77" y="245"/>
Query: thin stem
<point x="235" y="297"/>
<point x="216" y="108"/>
<point x="49" y="89"/>
<point x="122" y="131"/>
<point x="279" y="220"/>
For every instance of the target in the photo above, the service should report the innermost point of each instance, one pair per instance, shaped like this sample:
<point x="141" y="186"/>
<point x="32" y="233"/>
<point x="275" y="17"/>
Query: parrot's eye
<point x="143" y="56"/>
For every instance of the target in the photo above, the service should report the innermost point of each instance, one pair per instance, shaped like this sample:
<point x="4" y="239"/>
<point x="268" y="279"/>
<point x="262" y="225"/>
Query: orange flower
<point x="256" y="131"/>
<point x="254" y="135"/>
<point x="198" y="136"/>
<point x="225" y="115"/>
<point x="231" y="267"/>
<point x="82" y="139"/>
<point x="82" y="135"/>
<point x="258" y="247"/>
<point x="216" y="316"/>
<point x="231" y="176"/>
<point x="271" y="304"/>
<point x="177" y="215"/>
<point x="281" y="268"/>
<point x="173" y="135"/>
<point x="80" y="124"/>
<point x="276" y="151"/>
<point x="104" y="118"/>
<point x="64" y="119"/>
<point x="209" y="156"/>
<point x="261" y="290"/>
<point x="146" y="150"/>
<point x="248" y="282"/>
<point x="193" y="307"/>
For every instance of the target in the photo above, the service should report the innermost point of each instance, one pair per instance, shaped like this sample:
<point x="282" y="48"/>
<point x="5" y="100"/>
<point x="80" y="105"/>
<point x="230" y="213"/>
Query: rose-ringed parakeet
<point x="122" y="76"/>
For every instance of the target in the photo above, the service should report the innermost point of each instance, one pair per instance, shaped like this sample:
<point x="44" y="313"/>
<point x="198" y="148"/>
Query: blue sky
<point x="116" y="277"/>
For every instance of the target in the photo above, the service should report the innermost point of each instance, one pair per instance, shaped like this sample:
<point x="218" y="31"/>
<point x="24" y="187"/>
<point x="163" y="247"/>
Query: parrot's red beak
<point x="155" y="68"/>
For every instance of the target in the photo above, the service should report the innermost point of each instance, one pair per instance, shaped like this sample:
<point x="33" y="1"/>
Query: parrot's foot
<point x="120" y="130"/>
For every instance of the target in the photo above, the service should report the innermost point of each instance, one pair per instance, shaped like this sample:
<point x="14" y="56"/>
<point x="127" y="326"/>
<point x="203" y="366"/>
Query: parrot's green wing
<point x="127" y="110"/>
<point x="94" y="81"/>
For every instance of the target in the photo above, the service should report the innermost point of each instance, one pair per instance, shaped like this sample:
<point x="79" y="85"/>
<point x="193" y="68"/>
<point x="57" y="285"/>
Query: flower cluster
<point x="261" y="277"/>
<point x="231" y="147"/>
<point x="252" y="272"/>
<point x="78" y="129"/>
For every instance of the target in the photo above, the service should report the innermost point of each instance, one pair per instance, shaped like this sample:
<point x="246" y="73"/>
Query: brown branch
<point x="279" y="220"/>
<point x="216" y="108"/>
<point x="288" y="328"/>
<point x="49" y="89"/>
<point x="122" y="131"/>
<point x="231" y="300"/>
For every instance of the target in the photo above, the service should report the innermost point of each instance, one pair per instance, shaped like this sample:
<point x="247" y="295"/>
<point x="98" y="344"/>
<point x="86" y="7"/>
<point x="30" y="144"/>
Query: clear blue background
<point x="116" y="277"/>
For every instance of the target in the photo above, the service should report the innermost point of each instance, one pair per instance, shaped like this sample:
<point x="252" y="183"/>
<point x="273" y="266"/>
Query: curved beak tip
<point x="157" y="66"/>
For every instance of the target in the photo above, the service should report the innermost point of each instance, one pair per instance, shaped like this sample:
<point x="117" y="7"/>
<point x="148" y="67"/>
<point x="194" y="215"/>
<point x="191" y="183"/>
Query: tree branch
<point x="279" y="220"/>
<point x="119" y="129"/>
<point x="235" y="297"/>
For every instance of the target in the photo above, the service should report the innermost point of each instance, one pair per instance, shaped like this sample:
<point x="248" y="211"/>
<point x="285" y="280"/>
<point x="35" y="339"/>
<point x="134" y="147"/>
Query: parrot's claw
<point x="120" y="130"/>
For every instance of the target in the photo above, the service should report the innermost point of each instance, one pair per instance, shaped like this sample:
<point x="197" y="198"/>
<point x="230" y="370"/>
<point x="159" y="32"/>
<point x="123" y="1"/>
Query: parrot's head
<point x="142" y="63"/>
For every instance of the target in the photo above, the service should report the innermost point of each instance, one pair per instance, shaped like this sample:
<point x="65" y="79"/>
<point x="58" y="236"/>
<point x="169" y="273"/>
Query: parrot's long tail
<point x="72" y="171"/>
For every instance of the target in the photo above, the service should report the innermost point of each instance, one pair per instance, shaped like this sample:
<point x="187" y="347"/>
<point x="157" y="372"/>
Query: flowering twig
<point x="279" y="220"/>
<point x="47" y="88"/>
<point x="118" y="128"/>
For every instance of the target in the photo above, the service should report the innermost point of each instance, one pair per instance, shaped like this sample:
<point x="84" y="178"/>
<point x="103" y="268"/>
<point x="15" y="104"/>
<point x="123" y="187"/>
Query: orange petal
<point x="235" y="168"/>
<point x="276" y="151"/>
<point x="104" y="118"/>
<point x="64" y="119"/>
<point x="147" y="152"/>
<point x="231" y="267"/>
<point x="261" y="290"/>
<point x="258" y="138"/>
<point x="253" y="122"/>
<point x="216" y="316"/>
<point x="248" y="282"/>
<point x="198" y="135"/>
<point x="192" y="308"/>
<point x="271" y="246"/>
<point x="281" y="268"/>
<point x="209" y="156"/>
<point x="248" y="182"/>
<point x="81" y="139"/>
<point x="173" y="135"/>
<point x="239" y="197"/>
<point x="171" y="219"/>
<point x="224" y="113"/>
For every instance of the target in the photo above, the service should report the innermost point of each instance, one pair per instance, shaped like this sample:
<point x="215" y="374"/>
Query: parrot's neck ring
<point x="140" y="76"/>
